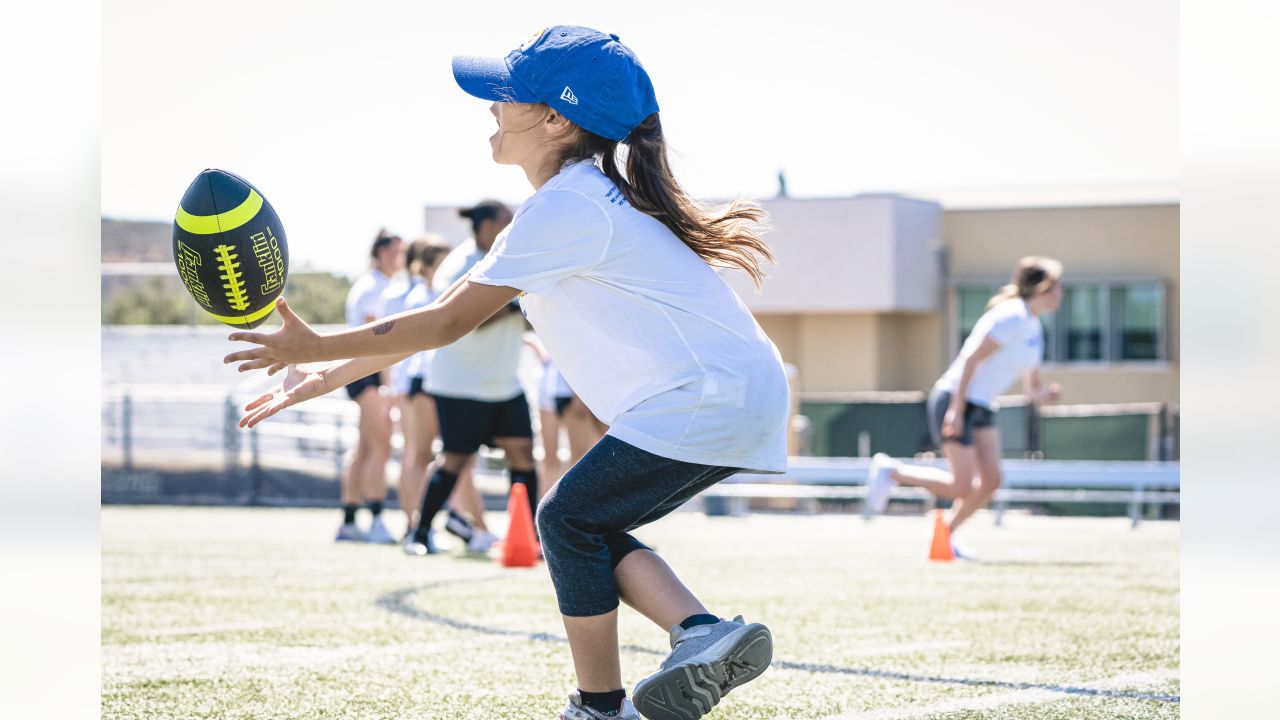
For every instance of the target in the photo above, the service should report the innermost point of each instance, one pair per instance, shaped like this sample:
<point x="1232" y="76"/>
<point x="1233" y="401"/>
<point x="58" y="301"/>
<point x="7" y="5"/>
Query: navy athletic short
<point x="975" y="416"/>
<point x="562" y="402"/>
<point x="467" y="424"/>
<point x="359" y="386"/>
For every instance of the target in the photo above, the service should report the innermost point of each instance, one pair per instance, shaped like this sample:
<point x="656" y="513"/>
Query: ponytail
<point x="1008" y="292"/>
<point x="1033" y="276"/>
<point x="723" y="236"/>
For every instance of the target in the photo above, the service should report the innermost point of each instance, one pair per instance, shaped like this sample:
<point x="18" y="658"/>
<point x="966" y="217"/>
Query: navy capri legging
<point x="584" y="521"/>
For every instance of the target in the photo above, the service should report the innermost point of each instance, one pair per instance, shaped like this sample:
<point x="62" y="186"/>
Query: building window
<point x="1137" y="321"/>
<point x="1097" y="322"/>
<point x="1082" y="322"/>
<point x="971" y="302"/>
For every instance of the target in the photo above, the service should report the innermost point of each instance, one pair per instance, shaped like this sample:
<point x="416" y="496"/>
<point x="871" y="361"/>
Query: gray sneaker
<point x="706" y="662"/>
<point x="378" y="533"/>
<point x="577" y="711"/>
<point x="350" y="532"/>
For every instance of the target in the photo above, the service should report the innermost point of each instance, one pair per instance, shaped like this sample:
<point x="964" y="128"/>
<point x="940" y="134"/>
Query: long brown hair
<point x="1034" y="275"/>
<point x="724" y="236"/>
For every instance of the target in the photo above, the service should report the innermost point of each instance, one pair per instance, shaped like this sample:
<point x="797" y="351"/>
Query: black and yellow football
<point x="230" y="249"/>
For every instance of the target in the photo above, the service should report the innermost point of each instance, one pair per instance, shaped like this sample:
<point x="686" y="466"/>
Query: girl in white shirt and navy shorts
<point x="613" y="266"/>
<point x="1007" y="343"/>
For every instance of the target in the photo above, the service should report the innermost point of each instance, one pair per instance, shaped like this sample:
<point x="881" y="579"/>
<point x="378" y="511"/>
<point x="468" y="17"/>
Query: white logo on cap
<point x="568" y="96"/>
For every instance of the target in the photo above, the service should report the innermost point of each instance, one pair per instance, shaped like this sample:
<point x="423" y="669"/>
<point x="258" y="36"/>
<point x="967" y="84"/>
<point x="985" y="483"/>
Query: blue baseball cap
<point x="589" y="77"/>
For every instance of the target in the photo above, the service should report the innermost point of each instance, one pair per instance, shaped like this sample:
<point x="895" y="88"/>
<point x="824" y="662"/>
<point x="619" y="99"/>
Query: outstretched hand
<point x="299" y="385"/>
<point x="295" y="342"/>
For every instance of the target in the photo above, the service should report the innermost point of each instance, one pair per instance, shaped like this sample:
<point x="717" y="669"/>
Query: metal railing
<point x="1137" y="484"/>
<point x="168" y="426"/>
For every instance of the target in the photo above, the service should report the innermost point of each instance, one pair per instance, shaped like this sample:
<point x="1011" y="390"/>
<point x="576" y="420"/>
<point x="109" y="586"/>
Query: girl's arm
<point x="1036" y="389"/>
<point x="457" y="312"/>
<point x="301" y="383"/>
<point x="953" y="421"/>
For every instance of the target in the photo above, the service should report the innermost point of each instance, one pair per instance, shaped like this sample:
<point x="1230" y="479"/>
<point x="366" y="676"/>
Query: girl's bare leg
<point x="647" y="584"/>
<point x="949" y="485"/>
<point x="986" y="442"/>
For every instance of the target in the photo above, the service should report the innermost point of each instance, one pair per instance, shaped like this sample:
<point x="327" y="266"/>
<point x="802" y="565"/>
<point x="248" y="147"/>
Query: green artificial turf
<point x="256" y="613"/>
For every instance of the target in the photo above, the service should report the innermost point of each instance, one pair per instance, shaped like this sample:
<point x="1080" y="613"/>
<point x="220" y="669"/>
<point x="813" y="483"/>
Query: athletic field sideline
<point x="256" y="613"/>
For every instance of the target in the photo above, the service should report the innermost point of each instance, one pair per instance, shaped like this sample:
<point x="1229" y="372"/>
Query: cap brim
<point x="488" y="79"/>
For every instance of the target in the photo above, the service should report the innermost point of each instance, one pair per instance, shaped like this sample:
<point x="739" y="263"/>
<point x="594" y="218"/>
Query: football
<point x="230" y="249"/>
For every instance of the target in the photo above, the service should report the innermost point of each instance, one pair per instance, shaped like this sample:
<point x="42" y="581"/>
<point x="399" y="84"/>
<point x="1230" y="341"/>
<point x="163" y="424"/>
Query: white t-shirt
<point x="362" y="300"/>
<point x="482" y="364"/>
<point x="648" y="335"/>
<point x="1021" y="339"/>
<point x="422" y="294"/>
<point x="392" y="301"/>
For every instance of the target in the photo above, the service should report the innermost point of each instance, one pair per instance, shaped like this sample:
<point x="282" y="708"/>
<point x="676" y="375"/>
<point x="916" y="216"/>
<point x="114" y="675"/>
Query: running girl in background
<point x="612" y="262"/>
<point x="1006" y="343"/>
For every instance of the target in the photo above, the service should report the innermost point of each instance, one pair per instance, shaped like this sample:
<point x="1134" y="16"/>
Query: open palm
<point x="300" y="384"/>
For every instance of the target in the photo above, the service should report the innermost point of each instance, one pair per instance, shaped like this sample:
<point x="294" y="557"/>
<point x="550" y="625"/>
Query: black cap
<point x="483" y="210"/>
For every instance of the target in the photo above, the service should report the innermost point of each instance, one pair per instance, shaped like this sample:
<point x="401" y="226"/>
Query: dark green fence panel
<point x="896" y="423"/>
<point x="896" y="428"/>
<point x="1014" y="422"/>
<point x="1098" y="437"/>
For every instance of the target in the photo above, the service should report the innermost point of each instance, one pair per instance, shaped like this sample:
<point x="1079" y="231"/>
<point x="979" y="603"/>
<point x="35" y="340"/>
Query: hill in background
<point x="135" y="241"/>
<point x="148" y="295"/>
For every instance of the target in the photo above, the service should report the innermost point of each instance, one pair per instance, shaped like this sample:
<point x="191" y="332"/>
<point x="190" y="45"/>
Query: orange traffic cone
<point x="941" y="547"/>
<point x="520" y="547"/>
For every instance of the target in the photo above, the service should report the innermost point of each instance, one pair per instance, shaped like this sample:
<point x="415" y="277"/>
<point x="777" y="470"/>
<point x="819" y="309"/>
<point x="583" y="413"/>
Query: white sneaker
<point x="962" y="553"/>
<point x="412" y="547"/>
<point x="577" y="711"/>
<point x="880" y="482"/>
<point x="378" y="533"/>
<point x="481" y="541"/>
<point x="350" y="532"/>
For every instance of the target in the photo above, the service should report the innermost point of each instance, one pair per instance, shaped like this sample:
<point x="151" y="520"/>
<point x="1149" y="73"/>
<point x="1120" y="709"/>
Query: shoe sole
<point x="691" y="689"/>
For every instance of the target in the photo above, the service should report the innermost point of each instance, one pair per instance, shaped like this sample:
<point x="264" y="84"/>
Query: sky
<point x="347" y="118"/>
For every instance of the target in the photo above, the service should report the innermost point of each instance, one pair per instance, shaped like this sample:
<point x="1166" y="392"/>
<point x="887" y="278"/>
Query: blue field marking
<point x="397" y="601"/>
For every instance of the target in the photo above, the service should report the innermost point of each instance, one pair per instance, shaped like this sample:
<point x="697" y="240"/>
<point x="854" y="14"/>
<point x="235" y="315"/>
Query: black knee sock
<point x="375" y="508"/>
<point x="607" y="703"/>
<point x="349" y="514"/>
<point x="696" y="620"/>
<point x="529" y="479"/>
<point x="437" y="494"/>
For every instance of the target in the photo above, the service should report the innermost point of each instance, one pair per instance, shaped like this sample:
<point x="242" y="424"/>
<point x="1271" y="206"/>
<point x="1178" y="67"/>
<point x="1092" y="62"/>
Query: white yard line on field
<point x="1017" y="697"/>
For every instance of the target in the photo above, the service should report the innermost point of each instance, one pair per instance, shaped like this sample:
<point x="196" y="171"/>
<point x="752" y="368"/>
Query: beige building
<point x="1114" y="340"/>
<point x="876" y="292"/>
